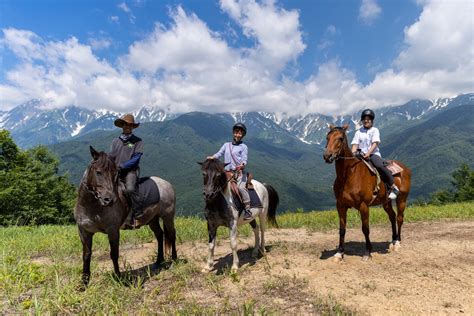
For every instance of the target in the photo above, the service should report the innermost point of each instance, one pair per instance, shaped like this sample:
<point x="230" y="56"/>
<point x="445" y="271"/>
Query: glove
<point x="122" y="172"/>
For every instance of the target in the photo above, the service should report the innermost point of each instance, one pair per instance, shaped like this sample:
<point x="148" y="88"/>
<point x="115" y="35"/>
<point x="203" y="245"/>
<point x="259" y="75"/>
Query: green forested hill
<point x="435" y="148"/>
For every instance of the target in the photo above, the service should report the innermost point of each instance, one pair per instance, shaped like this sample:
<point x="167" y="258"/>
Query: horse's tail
<point x="170" y="237"/>
<point x="273" y="200"/>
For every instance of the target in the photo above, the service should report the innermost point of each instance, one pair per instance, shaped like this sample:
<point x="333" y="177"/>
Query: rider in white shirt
<point x="367" y="140"/>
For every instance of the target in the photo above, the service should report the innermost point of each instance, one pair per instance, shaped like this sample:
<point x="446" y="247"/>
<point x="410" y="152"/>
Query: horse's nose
<point x="107" y="200"/>
<point x="327" y="157"/>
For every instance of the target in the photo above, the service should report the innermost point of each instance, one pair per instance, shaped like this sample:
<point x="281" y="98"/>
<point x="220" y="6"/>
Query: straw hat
<point x="126" y="119"/>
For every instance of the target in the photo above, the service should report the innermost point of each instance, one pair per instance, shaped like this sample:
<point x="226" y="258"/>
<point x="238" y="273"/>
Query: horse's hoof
<point x="206" y="269"/>
<point x="234" y="269"/>
<point x="338" y="257"/>
<point x="367" y="257"/>
<point x="397" y="246"/>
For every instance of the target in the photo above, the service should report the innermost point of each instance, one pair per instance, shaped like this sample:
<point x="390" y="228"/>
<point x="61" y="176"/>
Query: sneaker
<point x="247" y="215"/>
<point x="393" y="193"/>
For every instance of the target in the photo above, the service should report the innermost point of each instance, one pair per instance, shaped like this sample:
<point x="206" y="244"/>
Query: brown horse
<point x="354" y="187"/>
<point x="102" y="207"/>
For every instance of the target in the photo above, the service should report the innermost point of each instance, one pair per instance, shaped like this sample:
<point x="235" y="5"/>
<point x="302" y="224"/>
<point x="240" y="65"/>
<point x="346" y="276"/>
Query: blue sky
<point x="298" y="56"/>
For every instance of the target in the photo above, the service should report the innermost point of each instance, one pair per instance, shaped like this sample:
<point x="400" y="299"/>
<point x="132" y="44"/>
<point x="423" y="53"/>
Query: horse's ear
<point x="345" y="126"/>
<point x="94" y="153"/>
<point x="331" y="127"/>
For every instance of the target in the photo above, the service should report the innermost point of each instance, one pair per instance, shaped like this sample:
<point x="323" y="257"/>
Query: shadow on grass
<point x="357" y="248"/>
<point x="138" y="277"/>
<point x="224" y="264"/>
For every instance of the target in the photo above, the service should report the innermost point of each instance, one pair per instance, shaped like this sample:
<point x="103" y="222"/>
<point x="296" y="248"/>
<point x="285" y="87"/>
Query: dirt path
<point x="432" y="273"/>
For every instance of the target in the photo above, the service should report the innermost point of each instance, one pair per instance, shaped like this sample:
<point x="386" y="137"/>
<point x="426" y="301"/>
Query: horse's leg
<point x="364" y="215"/>
<point x="114" y="240"/>
<point x="170" y="236"/>
<point x="263" y="225"/>
<point x="233" y="245"/>
<point x="342" y="212"/>
<point x="212" y="230"/>
<point x="156" y="228"/>
<point x="387" y="206"/>
<point x="401" y="204"/>
<point x="86" y="239"/>
<point x="254" y="225"/>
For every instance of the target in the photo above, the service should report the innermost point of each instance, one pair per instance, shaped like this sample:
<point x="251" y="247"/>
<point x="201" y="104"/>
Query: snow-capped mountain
<point x="31" y="124"/>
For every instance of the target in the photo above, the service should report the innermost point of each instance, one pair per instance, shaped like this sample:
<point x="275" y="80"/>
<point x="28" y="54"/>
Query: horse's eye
<point x="341" y="139"/>
<point x="99" y="173"/>
<point x="203" y="174"/>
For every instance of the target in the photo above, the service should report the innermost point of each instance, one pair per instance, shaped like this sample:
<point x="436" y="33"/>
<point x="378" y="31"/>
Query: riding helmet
<point x="240" y="126"/>
<point x="369" y="113"/>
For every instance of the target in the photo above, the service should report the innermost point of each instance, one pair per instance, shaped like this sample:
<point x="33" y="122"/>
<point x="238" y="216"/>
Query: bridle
<point x="338" y="154"/>
<point x="91" y="190"/>
<point x="220" y="188"/>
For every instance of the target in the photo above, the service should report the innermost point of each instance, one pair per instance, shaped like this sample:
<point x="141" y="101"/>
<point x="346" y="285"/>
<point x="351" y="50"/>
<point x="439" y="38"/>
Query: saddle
<point x="391" y="165"/>
<point x="254" y="199"/>
<point x="147" y="193"/>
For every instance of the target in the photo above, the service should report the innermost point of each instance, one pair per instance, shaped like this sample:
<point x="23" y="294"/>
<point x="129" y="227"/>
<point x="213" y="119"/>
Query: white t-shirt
<point x="365" y="137"/>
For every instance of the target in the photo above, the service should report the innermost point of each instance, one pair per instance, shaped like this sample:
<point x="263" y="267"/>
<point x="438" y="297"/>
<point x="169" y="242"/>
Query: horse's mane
<point x="213" y="164"/>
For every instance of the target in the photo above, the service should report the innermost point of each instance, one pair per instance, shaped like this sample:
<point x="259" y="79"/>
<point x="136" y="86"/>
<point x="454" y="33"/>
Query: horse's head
<point x="214" y="177"/>
<point x="102" y="177"/>
<point x="336" y="140"/>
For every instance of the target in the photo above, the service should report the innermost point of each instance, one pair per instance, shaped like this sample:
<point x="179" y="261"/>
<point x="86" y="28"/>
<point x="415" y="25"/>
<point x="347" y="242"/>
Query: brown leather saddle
<point x="389" y="164"/>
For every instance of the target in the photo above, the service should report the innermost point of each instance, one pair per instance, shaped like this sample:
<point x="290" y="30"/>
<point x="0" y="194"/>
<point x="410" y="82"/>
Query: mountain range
<point x="31" y="124"/>
<point x="432" y="137"/>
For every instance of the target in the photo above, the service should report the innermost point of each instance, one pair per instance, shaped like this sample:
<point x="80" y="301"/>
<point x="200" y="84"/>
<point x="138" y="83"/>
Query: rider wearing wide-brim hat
<point x="126" y="151"/>
<point x="235" y="156"/>
<point x="367" y="140"/>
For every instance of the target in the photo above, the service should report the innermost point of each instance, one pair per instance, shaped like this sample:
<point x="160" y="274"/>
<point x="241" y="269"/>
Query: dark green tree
<point x="463" y="187"/>
<point x="31" y="191"/>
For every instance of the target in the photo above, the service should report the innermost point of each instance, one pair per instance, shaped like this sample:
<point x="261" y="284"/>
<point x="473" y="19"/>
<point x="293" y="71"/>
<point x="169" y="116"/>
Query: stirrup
<point x="247" y="214"/>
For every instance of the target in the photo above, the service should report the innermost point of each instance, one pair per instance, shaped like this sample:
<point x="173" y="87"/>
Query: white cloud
<point x="186" y="66"/>
<point x="124" y="7"/>
<point x="369" y="10"/>
<point x="327" y="41"/>
<point x="100" y="43"/>
<point x="276" y="30"/>
<point x="114" y="19"/>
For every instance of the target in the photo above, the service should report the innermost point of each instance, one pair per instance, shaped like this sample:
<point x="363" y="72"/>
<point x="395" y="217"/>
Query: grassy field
<point x="30" y="286"/>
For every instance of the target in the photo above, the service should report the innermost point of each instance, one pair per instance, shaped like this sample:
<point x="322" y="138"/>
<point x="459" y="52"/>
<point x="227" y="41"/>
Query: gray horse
<point x="102" y="207"/>
<point x="221" y="211"/>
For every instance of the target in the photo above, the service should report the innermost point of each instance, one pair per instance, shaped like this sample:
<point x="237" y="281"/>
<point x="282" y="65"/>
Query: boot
<point x="247" y="213"/>
<point x="393" y="192"/>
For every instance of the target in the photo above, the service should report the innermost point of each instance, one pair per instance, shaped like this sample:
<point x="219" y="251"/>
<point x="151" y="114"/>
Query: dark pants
<point x="131" y="188"/>
<point x="385" y="174"/>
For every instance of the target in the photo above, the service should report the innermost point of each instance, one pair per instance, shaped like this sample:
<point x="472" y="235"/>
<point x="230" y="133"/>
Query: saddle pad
<point x="394" y="167"/>
<point x="254" y="201"/>
<point x="148" y="192"/>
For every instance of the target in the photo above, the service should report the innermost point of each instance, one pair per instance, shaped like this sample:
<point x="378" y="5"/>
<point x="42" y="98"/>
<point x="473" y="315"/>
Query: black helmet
<point x="369" y="113"/>
<point x="240" y="126"/>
